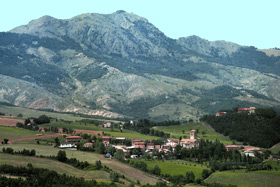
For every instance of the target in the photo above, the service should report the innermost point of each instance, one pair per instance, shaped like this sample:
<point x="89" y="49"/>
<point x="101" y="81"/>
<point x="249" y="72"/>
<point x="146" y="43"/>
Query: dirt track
<point x="35" y="137"/>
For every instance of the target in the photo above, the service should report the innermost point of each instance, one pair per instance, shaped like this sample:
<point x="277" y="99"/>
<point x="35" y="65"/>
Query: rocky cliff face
<point x="120" y="65"/>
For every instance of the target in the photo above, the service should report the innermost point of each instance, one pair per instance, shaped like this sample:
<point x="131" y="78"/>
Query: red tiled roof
<point x="74" y="137"/>
<point x="105" y="137"/>
<point x="150" y="144"/>
<point x="140" y="146"/>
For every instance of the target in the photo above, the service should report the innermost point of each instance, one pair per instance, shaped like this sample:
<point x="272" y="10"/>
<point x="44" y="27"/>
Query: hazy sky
<point x="246" y="22"/>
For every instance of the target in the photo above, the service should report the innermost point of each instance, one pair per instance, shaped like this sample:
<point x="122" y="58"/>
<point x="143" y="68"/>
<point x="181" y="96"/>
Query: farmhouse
<point x="88" y="144"/>
<point x="233" y="147"/>
<point x="73" y="139"/>
<point x="106" y="140"/>
<point x="249" y="110"/>
<point x="107" y="125"/>
<point x="150" y="146"/>
<point x="220" y="113"/>
<point x="192" y="142"/>
<point x="67" y="145"/>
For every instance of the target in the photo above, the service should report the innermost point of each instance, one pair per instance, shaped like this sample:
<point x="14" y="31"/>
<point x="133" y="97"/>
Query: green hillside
<point x="204" y="132"/>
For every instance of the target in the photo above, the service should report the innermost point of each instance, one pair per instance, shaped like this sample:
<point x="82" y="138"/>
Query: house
<point x="157" y="147"/>
<point x="65" y="145"/>
<point x="140" y="145"/>
<point x="74" y="139"/>
<point x="249" y="110"/>
<point x="233" y="147"/>
<point x="107" y="125"/>
<point x="150" y="146"/>
<point x="88" y="145"/>
<point x="134" y="156"/>
<point x="220" y="113"/>
<point x="106" y="140"/>
<point x="192" y="142"/>
<point x="250" y="153"/>
<point x="172" y="142"/>
<point x="135" y="141"/>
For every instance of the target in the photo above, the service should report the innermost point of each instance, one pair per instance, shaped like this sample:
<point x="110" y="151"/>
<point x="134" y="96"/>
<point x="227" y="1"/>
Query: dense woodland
<point x="258" y="129"/>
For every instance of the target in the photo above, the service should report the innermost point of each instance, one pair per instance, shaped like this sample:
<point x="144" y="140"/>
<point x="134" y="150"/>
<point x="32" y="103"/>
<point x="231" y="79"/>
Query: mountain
<point x="121" y="66"/>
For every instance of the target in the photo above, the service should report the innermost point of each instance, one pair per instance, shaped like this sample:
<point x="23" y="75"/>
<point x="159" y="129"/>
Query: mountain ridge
<point x="120" y="65"/>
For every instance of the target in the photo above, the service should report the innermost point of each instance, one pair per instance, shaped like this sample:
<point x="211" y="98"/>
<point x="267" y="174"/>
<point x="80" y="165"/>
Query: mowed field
<point x="175" y="167"/>
<point x="204" y="132"/>
<point x="121" y="168"/>
<point x="246" y="179"/>
<point x="59" y="167"/>
<point x="108" y="131"/>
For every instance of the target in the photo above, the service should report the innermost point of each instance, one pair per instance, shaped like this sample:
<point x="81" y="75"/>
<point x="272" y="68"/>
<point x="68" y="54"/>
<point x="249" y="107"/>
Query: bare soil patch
<point x="5" y="121"/>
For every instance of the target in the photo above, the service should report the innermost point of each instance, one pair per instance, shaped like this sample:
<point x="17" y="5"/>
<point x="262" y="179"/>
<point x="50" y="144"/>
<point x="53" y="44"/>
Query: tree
<point x="6" y="141"/>
<point x="157" y="170"/>
<point x="205" y="173"/>
<point x="119" y="155"/>
<point x="98" y="165"/>
<point x="57" y="143"/>
<point x="61" y="156"/>
<point x="114" y="177"/>
<point x="183" y="131"/>
<point x="101" y="148"/>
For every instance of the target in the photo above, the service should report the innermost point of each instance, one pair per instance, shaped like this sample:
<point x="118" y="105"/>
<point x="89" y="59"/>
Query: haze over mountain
<point x="120" y="65"/>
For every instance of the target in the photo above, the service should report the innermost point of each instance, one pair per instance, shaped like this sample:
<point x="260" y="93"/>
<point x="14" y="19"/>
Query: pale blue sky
<point x="246" y="22"/>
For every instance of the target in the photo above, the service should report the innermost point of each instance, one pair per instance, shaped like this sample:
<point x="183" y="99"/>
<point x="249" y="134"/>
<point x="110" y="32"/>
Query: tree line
<point x="258" y="129"/>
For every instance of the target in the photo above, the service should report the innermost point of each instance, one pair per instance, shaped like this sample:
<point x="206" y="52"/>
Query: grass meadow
<point x="175" y="167"/>
<point x="13" y="133"/>
<point x="246" y="179"/>
<point x="204" y="132"/>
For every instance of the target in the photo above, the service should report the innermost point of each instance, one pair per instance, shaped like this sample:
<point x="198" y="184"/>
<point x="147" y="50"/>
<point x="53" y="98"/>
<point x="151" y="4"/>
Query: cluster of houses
<point x="193" y="141"/>
<point x="247" y="150"/>
<point x="250" y="110"/>
<point x="168" y="146"/>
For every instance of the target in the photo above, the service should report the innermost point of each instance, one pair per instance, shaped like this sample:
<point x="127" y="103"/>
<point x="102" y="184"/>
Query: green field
<point x="116" y="132"/>
<point x="175" y="167"/>
<point x="275" y="148"/>
<point x="177" y="130"/>
<point x="27" y="113"/>
<point x="13" y="133"/>
<point x="90" y="157"/>
<point x="246" y="179"/>
<point x="59" y="167"/>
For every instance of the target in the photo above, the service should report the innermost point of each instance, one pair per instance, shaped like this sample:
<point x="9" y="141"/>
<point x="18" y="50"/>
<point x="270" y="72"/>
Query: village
<point x="137" y="147"/>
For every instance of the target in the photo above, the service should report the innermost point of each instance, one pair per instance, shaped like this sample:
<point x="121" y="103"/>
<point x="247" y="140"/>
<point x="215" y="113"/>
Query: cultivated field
<point x="57" y="166"/>
<point x="246" y="179"/>
<point x="204" y="132"/>
<point x="175" y="167"/>
<point x="108" y="131"/>
<point x="5" y="121"/>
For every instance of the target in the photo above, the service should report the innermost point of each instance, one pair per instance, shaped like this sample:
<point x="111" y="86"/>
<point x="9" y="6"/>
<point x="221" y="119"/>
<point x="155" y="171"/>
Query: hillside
<point x="121" y="66"/>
